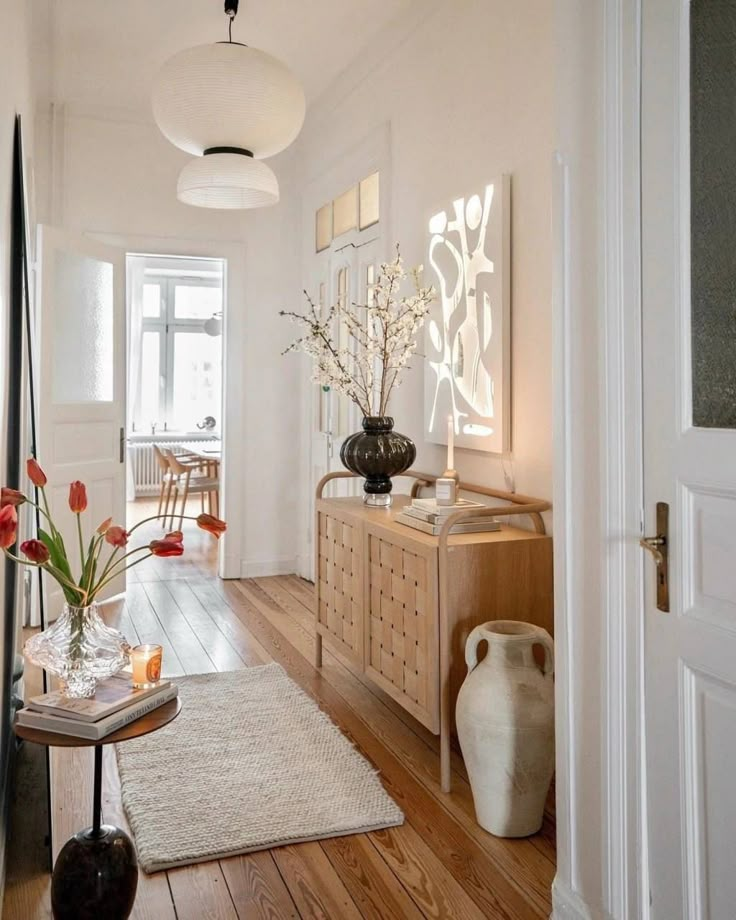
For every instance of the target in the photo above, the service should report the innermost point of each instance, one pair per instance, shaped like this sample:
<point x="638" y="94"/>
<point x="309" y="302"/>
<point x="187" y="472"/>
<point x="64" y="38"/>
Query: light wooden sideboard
<point x="399" y="604"/>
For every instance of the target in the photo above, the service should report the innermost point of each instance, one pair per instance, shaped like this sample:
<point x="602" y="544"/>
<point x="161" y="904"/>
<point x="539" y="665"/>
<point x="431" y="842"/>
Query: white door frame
<point x="234" y="293"/>
<point x="604" y="537"/>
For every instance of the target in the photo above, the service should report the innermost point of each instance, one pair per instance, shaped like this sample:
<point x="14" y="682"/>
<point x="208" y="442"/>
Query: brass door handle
<point x="651" y="543"/>
<point x="659" y="548"/>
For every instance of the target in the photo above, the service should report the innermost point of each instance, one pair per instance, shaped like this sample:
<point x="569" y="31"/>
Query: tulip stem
<point x="100" y="585"/>
<point x="10" y="555"/>
<point x="96" y="554"/>
<point x="82" y="560"/>
<point x="157" y="517"/>
<point x="39" y="508"/>
<point x="52" y="570"/>
<point x="42" y="490"/>
<point x="109" y="571"/>
<point x="109" y="562"/>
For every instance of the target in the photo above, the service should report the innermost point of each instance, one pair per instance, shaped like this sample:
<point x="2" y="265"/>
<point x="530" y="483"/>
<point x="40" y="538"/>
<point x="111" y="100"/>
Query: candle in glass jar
<point x="146" y="663"/>
<point x="450" y="443"/>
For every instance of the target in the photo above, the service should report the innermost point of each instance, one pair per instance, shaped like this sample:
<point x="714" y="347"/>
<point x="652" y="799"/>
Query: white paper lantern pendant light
<point x="231" y="106"/>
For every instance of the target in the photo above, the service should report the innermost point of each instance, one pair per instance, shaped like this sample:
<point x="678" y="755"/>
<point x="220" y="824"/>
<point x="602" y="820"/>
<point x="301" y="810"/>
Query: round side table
<point x="96" y="872"/>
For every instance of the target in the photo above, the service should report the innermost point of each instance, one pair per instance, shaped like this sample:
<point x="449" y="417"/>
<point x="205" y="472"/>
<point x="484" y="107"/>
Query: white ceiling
<point x="106" y="52"/>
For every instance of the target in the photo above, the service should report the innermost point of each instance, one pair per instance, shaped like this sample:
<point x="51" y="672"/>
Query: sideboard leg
<point x="318" y="650"/>
<point x="444" y="649"/>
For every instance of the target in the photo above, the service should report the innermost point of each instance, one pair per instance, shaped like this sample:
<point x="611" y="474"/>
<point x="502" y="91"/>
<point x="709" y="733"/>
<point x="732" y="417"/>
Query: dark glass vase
<point x="377" y="453"/>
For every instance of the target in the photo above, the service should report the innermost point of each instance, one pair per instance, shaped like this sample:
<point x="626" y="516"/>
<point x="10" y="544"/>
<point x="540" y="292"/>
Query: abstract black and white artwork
<point x="468" y="331"/>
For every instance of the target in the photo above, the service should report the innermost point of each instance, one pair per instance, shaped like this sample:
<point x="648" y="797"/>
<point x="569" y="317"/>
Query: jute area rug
<point x="250" y="763"/>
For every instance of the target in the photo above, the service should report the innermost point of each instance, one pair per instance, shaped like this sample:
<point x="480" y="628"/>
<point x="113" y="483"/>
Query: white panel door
<point x="348" y="272"/>
<point x="81" y="406"/>
<point x="688" y="270"/>
<point x="351" y="275"/>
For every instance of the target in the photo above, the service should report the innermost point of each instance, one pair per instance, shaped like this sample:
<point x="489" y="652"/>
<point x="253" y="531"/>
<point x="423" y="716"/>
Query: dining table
<point x="211" y="455"/>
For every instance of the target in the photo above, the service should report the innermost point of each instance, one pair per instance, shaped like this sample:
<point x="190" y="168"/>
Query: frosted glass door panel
<point x="713" y="211"/>
<point x="83" y="330"/>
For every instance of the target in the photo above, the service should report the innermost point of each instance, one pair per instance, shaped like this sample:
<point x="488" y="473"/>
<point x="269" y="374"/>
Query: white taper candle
<point x="450" y="443"/>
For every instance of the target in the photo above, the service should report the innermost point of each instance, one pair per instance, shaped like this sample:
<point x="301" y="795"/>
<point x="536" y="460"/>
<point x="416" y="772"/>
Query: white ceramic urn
<point x="505" y="723"/>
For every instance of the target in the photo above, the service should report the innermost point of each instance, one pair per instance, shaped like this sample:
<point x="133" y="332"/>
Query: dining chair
<point x="192" y="485"/>
<point x="167" y="480"/>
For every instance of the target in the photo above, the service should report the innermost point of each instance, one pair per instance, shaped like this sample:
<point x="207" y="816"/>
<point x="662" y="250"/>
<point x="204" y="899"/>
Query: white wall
<point x="114" y="175"/>
<point x="467" y="92"/>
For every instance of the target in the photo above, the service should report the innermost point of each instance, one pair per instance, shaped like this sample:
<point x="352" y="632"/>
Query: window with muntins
<point x="179" y="365"/>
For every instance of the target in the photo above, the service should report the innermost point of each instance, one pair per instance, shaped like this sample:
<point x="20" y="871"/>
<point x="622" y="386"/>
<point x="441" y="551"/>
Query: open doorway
<point x="174" y="424"/>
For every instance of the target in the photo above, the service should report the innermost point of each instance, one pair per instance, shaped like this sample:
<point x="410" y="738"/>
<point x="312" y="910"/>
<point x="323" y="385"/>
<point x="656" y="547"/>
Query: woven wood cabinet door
<point x="340" y="582"/>
<point x="402" y="640"/>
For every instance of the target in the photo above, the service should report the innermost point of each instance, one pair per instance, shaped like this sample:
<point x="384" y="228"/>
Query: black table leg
<point x="97" y="795"/>
<point x="96" y="872"/>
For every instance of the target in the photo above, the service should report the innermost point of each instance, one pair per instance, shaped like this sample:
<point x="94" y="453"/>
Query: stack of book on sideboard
<point x="114" y="705"/>
<point x="426" y="515"/>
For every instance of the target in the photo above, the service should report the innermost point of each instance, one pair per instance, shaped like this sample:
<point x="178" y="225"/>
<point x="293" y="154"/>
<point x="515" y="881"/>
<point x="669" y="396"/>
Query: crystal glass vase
<point x="377" y="453"/>
<point x="79" y="649"/>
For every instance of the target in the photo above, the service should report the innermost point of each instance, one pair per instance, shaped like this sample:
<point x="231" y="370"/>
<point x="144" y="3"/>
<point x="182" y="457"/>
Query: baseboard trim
<point x="304" y="566"/>
<point x="230" y="566"/>
<point x="568" y="905"/>
<point x="258" y="569"/>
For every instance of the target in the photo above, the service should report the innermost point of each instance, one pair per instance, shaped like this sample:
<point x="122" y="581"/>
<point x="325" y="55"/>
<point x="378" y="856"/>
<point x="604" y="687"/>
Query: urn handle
<point x="542" y="638"/>
<point x="471" y="646"/>
<point x="545" y="640"/>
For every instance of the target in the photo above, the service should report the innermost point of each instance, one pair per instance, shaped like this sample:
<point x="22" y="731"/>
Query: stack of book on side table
<point x="114" y="705"/>
<point x="426" y="515"/>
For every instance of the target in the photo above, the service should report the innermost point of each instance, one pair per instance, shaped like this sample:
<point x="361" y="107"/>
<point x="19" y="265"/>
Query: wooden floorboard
<point x="257" y="888"/>
<point x="439" y="864"/>
<point x="314" y="883"/>
<point x="369" y="879"/>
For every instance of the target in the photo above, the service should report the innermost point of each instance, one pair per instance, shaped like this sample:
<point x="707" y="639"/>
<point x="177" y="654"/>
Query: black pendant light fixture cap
<point x="231" y="11"/>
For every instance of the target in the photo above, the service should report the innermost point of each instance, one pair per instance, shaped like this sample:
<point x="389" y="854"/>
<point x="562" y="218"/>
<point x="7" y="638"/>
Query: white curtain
<point x="135" y="266"/>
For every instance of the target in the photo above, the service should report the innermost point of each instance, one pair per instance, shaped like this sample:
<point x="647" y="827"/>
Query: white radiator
<point x="146" y="473"/>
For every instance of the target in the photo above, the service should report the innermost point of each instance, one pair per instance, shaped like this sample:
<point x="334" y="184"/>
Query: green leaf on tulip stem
<point x="89" y="564"/>
<point x="58" y="561"/>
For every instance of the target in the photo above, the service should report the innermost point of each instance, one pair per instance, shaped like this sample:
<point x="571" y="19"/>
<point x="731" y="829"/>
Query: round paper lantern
<point x="227" y="180"/>
<point x="228" y="95"/>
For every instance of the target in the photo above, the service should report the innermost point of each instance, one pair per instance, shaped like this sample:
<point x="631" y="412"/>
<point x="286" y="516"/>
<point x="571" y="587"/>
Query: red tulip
<point x="35" y="550"/>
<point x="35" y="473"/>
<point x="175" y="536"/>
<point x="166" y="548"/>
<point x="104" y="526"/>
<point x="211" y="524"/>
<point x="116" y="536"/>
<point x="8" y="526"/>
<point x="11" y="497"/>
<point x="77" y="497"/>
